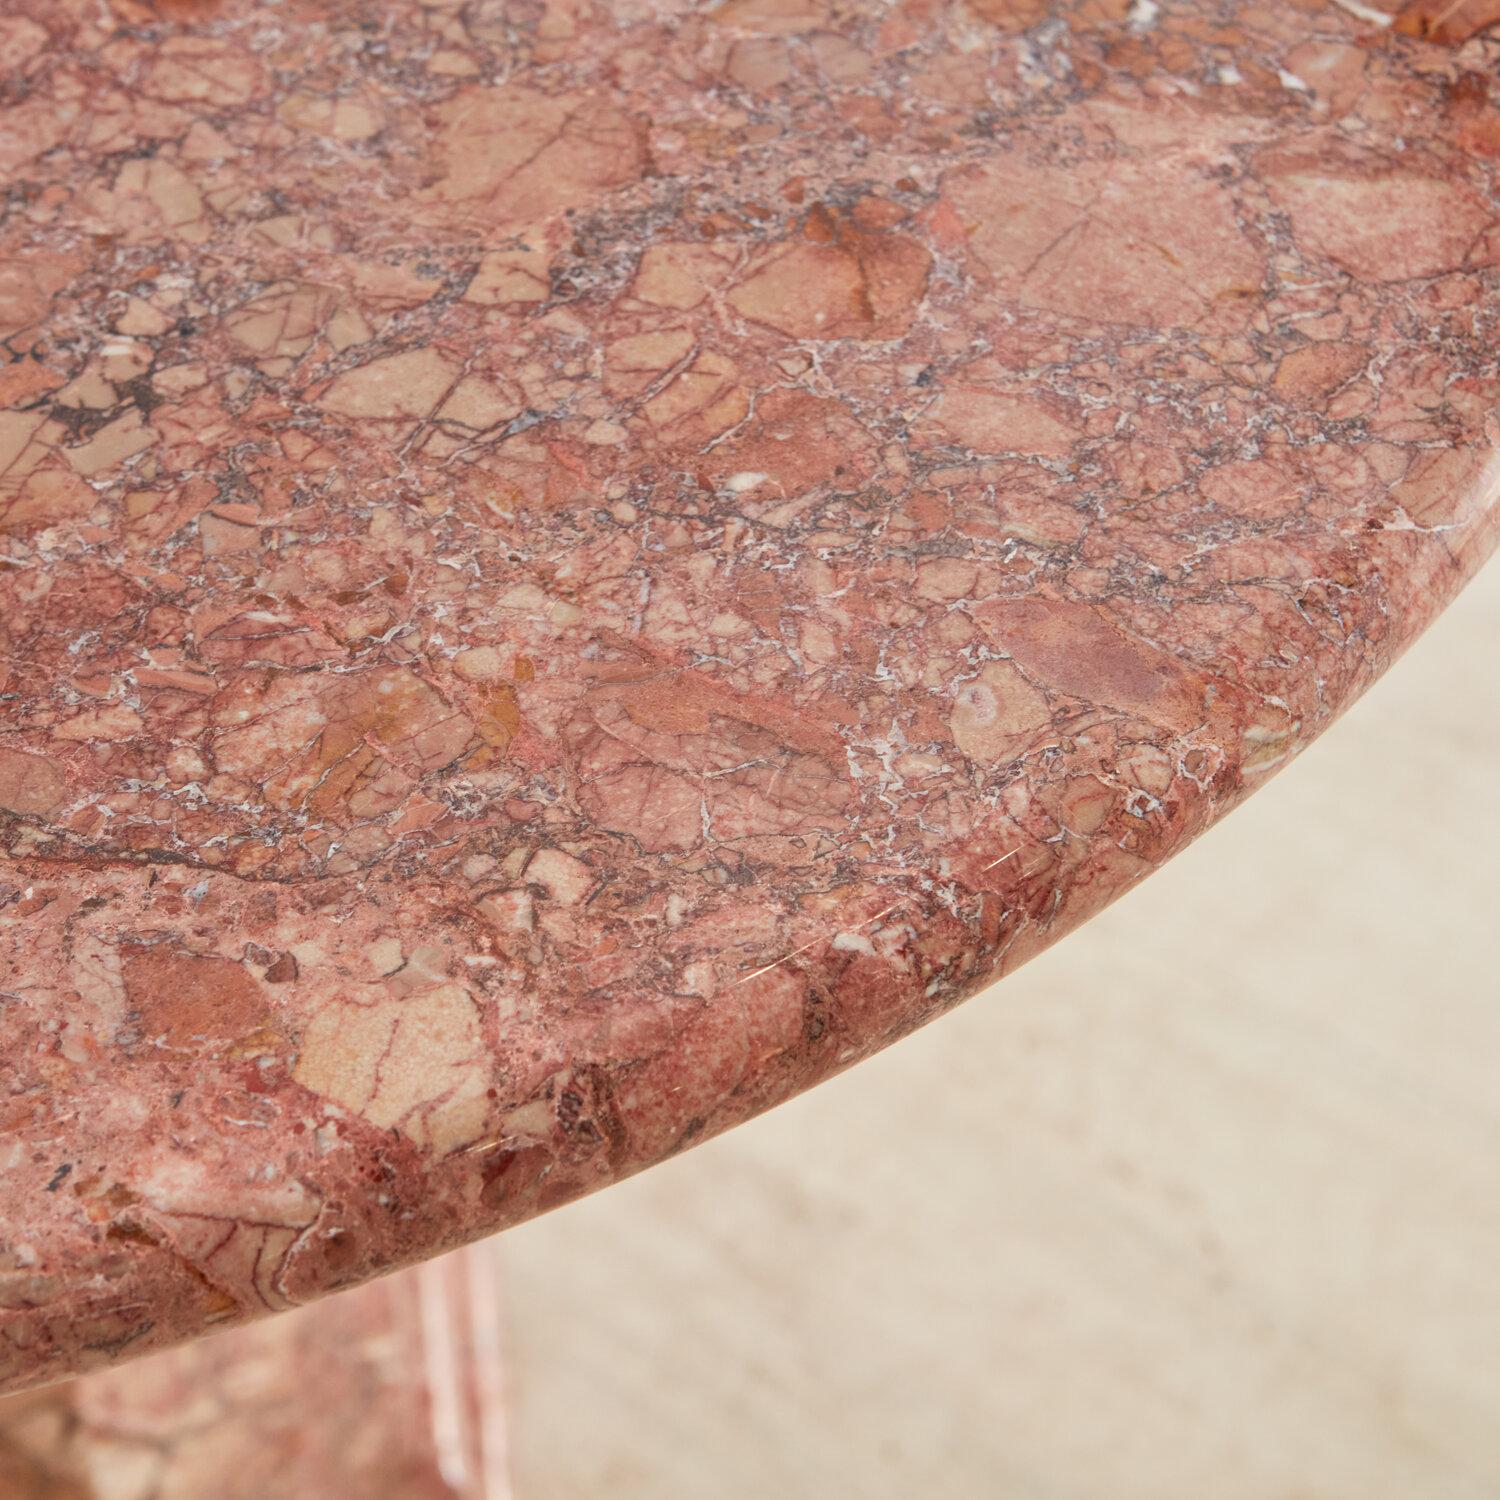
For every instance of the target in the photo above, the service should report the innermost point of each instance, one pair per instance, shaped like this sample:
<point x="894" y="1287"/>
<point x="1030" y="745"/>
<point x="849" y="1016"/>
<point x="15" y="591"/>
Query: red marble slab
<point x="571" y="569"/>
<point x="393" y="1392"/>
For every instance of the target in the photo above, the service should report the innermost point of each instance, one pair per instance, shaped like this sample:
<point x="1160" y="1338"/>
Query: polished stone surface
<point x="573" y="569"/>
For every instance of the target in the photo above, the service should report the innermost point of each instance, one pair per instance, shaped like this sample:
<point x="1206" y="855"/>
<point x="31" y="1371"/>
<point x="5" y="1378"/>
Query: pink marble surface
<point x="572" y="569"/>
<point x="393" y="1392"/>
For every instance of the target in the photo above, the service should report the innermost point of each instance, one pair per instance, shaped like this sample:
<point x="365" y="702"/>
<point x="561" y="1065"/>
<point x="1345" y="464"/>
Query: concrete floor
<point x="1204" y="1204"/>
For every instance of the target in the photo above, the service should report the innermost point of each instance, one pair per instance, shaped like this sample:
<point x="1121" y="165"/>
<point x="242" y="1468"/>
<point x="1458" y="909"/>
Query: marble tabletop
<point x="573" y="568"/>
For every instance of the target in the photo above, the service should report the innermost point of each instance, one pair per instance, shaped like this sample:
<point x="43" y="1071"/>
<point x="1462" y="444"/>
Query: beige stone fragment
<point x="409" y="1064"/>
<point x="944" y="580"/>
<point x="202" y="70"/>
<point x="343" y="119"/>
<point x="221" y="536"/>
<point x="680" y="275"/>
<point x="997" y="714"/>
<point x="479" y="664"/>
<point x="283" y="321"/>
<point x="90" y="390"/>
<point x="478" y="403"/>
<point x="451" y="62"/>
<point x="113" y="722"/>
<point x="142" y="320"/>
<point x="409" y="384"/>
<point x="169" y="190"/>
<point x="514" y="275"/>
<point x="565" y="879"/>
<point x="112" y="445"/>
<point x="772" y="17"/>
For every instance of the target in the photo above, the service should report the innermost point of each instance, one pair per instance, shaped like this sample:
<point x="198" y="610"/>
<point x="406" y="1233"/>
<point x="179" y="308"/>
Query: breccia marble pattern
<point x="572" y="568"/>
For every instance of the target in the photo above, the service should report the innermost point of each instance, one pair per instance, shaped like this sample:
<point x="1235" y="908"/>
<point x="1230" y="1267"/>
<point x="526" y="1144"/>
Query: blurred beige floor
<point x="1204" y="1204"/>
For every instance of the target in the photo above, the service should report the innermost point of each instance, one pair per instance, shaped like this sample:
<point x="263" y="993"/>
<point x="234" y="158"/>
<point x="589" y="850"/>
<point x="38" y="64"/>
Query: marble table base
<point x="390" y="1392"/>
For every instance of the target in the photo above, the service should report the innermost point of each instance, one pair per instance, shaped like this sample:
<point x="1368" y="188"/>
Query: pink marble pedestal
<point x="394" y="1391"/>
